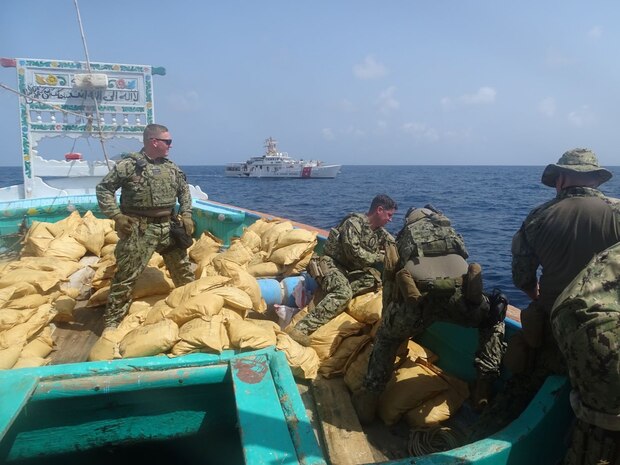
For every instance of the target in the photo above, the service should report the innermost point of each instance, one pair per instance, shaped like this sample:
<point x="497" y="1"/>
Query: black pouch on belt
<point x="179" y="236"/>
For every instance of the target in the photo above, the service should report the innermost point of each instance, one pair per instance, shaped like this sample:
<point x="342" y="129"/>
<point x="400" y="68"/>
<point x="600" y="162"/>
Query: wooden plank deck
<point x="75" y="339"/>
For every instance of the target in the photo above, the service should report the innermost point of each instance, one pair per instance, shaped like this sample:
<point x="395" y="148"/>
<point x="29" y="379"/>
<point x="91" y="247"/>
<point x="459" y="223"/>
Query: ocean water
<point x="485" y="203"/>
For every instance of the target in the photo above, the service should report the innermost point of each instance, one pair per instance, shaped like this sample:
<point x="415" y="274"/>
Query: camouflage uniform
<point x="432" y="236"/>
<point x="147" y="186"/>
<point x="586" y="324"/>
<point x="350" y="255"/>
<point x="560" y="237"/>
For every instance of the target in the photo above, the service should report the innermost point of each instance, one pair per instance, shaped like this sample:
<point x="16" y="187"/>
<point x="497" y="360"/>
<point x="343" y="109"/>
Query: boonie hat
<point x="575" y="161"/>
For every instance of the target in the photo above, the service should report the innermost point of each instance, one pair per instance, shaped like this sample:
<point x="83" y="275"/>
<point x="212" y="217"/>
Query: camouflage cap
<point x="575" y="161"/>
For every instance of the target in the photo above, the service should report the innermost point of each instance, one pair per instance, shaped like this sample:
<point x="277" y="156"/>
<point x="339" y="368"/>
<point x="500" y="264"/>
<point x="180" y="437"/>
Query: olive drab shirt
<point x="145" y="184"/>
<point x="561" y="236"/>
<point x="354" y="245"/>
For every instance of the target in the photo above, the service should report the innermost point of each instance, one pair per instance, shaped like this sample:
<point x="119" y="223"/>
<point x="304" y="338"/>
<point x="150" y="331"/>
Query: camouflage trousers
<point x="401" y="322"/>
<point x="589" y="339"/>
<point x="520" y="389"/>
<point x="587" y="330"/>
<point x="591" y="445"/>
<point x="132" y="256"/>
<point x="339" y="289"/>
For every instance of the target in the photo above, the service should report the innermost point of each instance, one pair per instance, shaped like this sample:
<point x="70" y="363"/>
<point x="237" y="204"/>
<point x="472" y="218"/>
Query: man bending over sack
<point x="427" y="279"/>
<point x="349" y="265"/>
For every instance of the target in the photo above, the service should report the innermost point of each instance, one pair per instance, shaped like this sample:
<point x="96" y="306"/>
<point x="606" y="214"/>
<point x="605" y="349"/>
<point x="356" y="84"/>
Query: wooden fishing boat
<point x="248" y="402"/>
<point x="233" y="407"/>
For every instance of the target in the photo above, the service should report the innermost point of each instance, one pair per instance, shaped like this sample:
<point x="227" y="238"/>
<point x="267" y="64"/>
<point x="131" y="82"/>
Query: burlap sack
<point x="66" y="225"/>
<point x="298" y="266"/>
<point x="60" y="267"/>
<point x="270" y="237"/>
<point x="435" y="410"/>
<point x="106" y="347"/>
<point x="414" y="351"/>
<point x="443" y="405"/>
<point x="199" y="286"/>
<point x="152" y="281"/>
<point x="65" y="247"/>
<point x="134" y="319"/>
<point x="90" y="232"/>
<point x="205" y="248"/>
<point x="252" y="240"/>
<point x="31" y="362"/>
<point x="9" y="356"/>
<point x="246" y="335"/>
<point x="238" y="253"/>
<point x="303" y="361"/>
<point x="367" y="307"/>
<point x="202" y="334"/>
<point x="327" y="338"/>
<point x="234" y="298"/>
<point x="12" y="317"/>
<point x="265" y="270"/>
<point x="291" y="253"/>
<point x="149" y="340"/>
<point x="64" y="306"/>
<point x="206" y="304"/>
<point x="110" y="239"/>
<point x="243" y="280"/>
<point x="296" y="236"/>
<point x="41" y="346"/>
<point x="24" y="332"/>
<point x="349" y="347"/>
<point x="410" y="386"/>
<point x="28" y="301"/>
<point x="37" y="239"/>
<point x="43" y="281"/>
<point x="261" y="225"/>
<point x="104" y="271"/>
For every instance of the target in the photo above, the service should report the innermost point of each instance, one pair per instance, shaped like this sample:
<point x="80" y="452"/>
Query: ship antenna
<point x="79" y="17"/>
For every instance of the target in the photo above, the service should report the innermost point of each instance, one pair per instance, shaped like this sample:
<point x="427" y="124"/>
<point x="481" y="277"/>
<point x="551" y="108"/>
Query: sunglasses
<point x="168" y="142"/>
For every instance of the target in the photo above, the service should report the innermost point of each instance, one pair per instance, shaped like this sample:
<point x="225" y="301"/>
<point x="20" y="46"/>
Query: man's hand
<point x="123" y="224"/>
<point x="188" y="223"/>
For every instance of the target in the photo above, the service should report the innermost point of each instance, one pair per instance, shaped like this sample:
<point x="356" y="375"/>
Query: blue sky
<point x="350" y="82"/>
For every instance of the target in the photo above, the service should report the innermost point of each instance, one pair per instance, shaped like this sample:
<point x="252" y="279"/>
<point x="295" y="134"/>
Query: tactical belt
<point x="156" y="219"/>
<point x="155" y="215"/>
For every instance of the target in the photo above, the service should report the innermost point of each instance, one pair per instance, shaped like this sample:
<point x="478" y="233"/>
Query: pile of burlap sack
<point x="73" y="261"/>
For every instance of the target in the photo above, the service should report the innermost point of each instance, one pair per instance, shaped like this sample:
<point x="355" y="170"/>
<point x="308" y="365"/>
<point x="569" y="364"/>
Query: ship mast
<point x="270" y="145"/>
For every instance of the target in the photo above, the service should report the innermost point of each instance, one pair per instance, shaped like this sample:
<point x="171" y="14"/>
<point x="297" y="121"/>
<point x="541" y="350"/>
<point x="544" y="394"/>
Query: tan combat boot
<point x="297" y="336"/>
<point x="365" y="403"/>
<point x="473" y="288"/>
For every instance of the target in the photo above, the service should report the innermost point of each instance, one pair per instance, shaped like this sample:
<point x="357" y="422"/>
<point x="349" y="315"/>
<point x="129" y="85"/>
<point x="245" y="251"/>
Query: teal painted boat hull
<point x="247" y="403"/>
<point x="240" y="408"/>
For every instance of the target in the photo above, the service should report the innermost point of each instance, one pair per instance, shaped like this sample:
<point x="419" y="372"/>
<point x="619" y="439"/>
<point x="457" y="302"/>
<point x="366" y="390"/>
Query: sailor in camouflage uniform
<point x="586" y="324"/>
<point x="349" y="265"/>
<point x="429" y="280"/>
<point x="557" y="239"/>
<point x="150" y="185"/>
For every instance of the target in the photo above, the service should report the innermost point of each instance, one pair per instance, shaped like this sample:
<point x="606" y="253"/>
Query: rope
<point x="79" y="17"/>
<point x="424" y="441"/>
